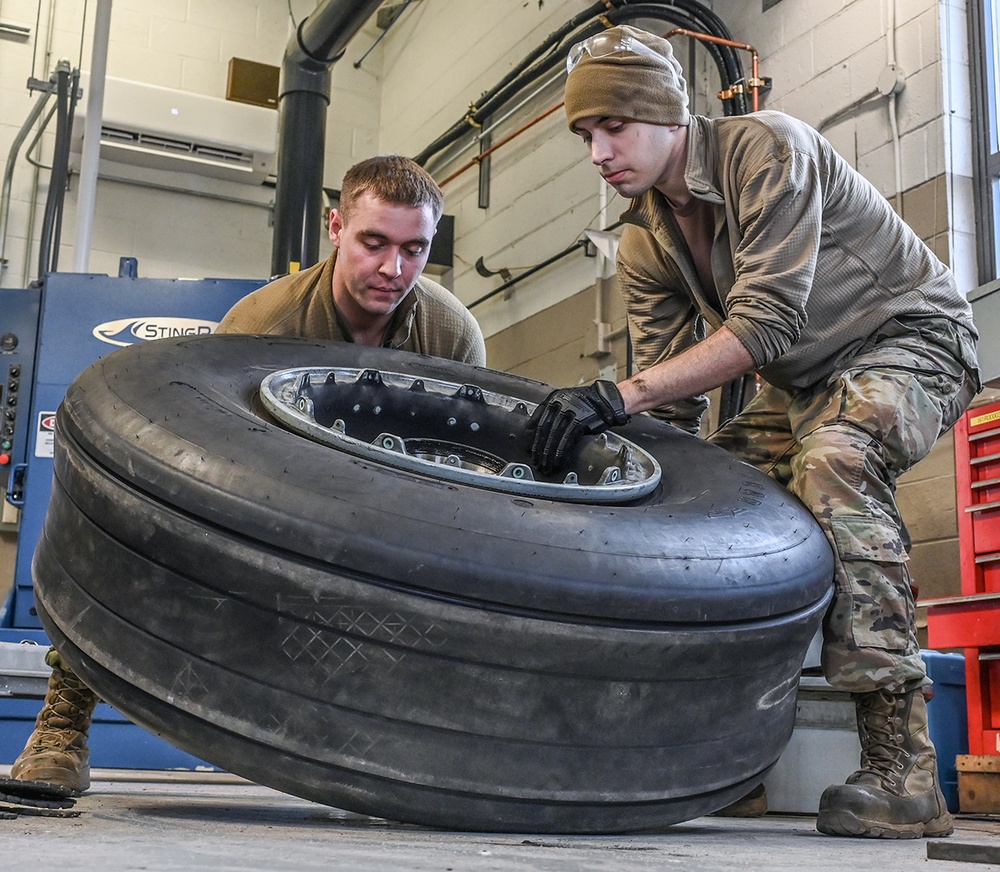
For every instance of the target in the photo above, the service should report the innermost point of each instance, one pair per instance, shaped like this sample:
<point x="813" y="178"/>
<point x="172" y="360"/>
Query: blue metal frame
<point x="18" y="336"/>
<point x="82" y="317"/>
<point x="62" y="328"/>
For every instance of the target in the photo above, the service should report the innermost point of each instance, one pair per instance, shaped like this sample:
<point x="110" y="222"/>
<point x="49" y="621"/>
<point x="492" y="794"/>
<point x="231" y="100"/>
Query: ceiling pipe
<point x="303" y="95"/>
<point x="755" y="82"/>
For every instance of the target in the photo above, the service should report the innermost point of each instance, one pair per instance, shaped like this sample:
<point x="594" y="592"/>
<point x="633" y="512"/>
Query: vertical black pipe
<point x="304" y="94"/>
<point x="62" y="161"/>
<point x="47" y="259"/>
<point x="484" y="167"/>
<point x="299" y="190"/>
<point x="982" y="150"/>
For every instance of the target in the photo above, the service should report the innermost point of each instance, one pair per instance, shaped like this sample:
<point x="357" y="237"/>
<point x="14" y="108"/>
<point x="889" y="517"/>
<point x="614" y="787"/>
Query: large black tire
<point x="413" y="648"/>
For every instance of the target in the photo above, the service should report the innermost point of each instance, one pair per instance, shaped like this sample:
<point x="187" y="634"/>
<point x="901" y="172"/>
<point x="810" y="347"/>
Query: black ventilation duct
<point x="303" y="96"/>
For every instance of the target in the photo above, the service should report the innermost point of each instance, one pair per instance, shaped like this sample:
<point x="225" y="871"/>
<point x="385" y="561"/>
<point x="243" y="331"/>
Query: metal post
<point x="92" y="139"/>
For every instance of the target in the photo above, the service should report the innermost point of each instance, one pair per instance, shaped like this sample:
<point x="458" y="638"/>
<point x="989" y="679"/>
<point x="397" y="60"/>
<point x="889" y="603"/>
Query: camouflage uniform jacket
<point x="430" y="320"/>
<point x="809" y="260"/>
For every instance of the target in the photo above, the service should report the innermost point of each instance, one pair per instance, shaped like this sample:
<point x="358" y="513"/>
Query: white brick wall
<point x="185" y="45"/>
<point x="825" y="55"/>
<point x="956" y="125"/>
<point x="543" y="189"/>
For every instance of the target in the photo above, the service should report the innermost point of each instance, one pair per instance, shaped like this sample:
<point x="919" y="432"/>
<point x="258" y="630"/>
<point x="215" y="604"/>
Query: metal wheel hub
<point x="448" y="430"/>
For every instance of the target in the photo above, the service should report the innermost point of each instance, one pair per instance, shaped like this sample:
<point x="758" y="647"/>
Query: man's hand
<point x="567" y="414"/>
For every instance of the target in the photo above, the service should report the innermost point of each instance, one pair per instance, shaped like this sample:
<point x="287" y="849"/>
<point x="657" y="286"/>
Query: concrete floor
<point x="220" y="823"/>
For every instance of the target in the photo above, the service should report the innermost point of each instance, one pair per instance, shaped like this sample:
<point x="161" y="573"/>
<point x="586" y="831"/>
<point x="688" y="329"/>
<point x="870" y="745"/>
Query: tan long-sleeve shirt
<point x="808" y="259"/>
<point x="430" y="320"/>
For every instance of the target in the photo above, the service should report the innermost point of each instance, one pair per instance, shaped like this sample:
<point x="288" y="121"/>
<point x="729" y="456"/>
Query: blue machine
<point x="18" y="334"/>
<point x="47" y="337"/>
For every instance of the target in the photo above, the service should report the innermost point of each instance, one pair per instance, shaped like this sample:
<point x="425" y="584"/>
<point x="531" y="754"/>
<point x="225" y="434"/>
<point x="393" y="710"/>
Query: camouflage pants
<point x="839" y="448"/>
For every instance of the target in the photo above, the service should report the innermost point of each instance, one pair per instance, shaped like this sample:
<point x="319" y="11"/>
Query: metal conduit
<point x="754" y="85"/>
<point x="48" y="254"/>
<point x="8" y="177"/>
<point x="687" y="14"/>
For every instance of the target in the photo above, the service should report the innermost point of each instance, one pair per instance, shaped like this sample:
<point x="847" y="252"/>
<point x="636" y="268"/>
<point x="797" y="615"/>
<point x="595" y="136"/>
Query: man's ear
<point x="336" y="227"/>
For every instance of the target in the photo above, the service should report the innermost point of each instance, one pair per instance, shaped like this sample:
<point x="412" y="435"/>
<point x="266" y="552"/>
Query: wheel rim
<point x="457" y="432"/>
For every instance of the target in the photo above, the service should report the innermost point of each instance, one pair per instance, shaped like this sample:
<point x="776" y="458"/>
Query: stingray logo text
<point x="128" y="331"/>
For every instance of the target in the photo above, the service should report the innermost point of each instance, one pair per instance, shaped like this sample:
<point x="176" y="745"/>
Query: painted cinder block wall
<point x="822" y="56"/>
<point x="184" y="45"/>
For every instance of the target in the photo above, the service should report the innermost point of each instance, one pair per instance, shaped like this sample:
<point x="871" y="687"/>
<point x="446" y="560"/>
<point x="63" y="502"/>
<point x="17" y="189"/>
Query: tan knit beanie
<point x="639" y="85"/>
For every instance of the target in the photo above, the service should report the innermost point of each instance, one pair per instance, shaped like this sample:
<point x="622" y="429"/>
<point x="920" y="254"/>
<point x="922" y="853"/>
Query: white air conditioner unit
<point x="160" y="128"/>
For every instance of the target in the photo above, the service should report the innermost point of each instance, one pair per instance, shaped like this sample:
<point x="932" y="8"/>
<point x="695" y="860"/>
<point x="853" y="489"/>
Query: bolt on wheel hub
<point x="453" y="431"/>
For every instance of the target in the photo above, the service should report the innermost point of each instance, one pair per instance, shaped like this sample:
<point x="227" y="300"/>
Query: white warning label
<point x="45" y="437"/>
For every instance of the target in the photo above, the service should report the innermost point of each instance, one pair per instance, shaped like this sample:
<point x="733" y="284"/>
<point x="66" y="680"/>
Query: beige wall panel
<point x="926" y="497"/>
<point x="557" y="344"/>
<point x="553" y="328"/>
<point x="926" y="208"/>
<point x="990" y="395"/>
<point x="8" y="554"/>
<point x="939" y="463"/>
<point x="928" y="507"/>
<point x="933" y="566"/>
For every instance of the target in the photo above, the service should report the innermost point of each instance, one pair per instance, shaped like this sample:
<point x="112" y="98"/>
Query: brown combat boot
<point x="895" y="794"/>
<point x="57" y="752"/>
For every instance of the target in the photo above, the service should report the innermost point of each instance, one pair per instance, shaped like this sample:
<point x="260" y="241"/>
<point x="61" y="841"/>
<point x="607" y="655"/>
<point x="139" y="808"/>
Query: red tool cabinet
<point x="972" y="621"/>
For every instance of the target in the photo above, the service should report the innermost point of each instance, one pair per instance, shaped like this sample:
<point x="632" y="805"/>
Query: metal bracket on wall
<point x="485" y="144"/>
<point x="49" y="86"/>
<point x="985" y="302"/>
<point x="16" y="31"/>
<point x="387" y="15"/>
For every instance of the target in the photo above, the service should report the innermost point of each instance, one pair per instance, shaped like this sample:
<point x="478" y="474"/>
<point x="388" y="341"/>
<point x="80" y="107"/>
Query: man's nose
<point x="392" y="264"/>
<point x="599" y="152"/>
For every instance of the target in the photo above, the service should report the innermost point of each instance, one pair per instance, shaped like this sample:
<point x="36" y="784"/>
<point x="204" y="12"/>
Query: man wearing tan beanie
<point x="751" y="246"/>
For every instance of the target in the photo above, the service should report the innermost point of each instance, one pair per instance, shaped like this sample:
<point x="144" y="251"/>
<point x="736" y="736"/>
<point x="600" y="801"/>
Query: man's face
<point x="382" y="250"/>
<point x="632" y="156"/>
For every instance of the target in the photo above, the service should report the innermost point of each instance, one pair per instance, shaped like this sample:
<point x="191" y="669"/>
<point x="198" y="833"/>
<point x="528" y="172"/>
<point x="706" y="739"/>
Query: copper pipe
<point x="503" y="141"/>
<point x="754" y="83"/>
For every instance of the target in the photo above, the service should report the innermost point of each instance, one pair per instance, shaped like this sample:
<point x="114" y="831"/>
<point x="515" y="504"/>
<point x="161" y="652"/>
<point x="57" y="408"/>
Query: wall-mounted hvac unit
<point x="160" y="128"/>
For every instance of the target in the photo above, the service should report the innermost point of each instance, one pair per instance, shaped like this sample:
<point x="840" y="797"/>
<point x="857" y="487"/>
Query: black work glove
<point x="567" y="414"/>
